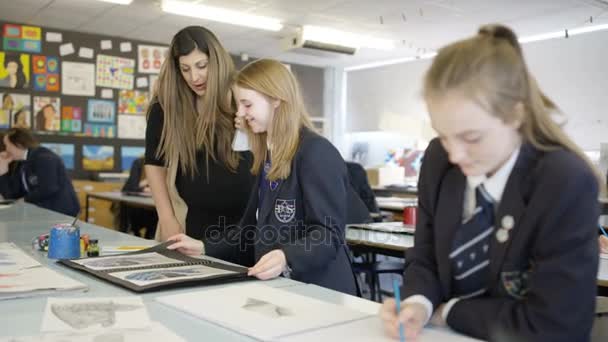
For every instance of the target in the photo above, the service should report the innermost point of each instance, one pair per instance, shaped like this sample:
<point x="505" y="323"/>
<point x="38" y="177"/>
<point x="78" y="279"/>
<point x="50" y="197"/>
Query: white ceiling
<point x="417" y="25"/>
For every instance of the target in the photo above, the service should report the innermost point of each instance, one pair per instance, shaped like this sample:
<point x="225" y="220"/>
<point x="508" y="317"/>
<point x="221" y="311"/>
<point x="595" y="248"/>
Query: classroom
<point x="281" y="170"/>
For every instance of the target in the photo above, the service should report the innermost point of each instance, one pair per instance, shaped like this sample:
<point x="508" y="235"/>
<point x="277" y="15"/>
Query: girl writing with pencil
<point x="506" y="242"/>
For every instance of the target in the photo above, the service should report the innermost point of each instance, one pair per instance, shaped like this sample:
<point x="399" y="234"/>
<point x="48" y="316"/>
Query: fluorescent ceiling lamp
<point x="543" y="36"/>
<point x="120" y="2"/>
<point x="380" y="64"/>
<point x="221" y="15"/>
<point x="343" y="38"/>
<point x="587" y="29"/>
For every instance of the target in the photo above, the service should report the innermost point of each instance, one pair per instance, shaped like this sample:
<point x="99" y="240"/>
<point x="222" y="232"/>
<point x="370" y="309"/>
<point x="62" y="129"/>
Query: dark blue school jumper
<point x="305" y="216"/>
<point x="42" y="180"/>
<point x="541" y="282"/>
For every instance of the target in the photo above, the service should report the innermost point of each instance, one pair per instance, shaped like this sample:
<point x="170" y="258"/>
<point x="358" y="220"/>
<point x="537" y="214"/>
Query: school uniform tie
<point x="470" y="256"/>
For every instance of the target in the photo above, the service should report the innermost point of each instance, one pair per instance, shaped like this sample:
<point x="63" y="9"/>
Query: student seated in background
<point x="296" y="214"/>
<point x="40" y="178"/>
<point x="505" y="245"/>
<point x="138" y="218"/>
<point x="359" y="182"/>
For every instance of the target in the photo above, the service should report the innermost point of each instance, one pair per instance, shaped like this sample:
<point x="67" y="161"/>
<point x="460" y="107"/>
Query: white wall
<point x="573" y="72"/>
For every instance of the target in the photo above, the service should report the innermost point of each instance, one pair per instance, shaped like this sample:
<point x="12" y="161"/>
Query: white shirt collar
<point x="25" y="154"/>
<point x="495" y="185"/>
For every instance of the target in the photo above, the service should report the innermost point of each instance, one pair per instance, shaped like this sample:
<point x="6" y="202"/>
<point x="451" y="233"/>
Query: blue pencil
<point x="398" y="305"/>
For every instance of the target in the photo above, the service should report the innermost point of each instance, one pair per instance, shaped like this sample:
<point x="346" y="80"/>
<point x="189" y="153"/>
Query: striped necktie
<point x="470" y="249"/>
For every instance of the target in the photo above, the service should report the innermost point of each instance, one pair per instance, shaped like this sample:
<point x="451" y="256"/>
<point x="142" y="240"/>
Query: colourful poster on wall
<point x="101" y="111"/>
<point x="99" y="130"/>
<point x="45" y="70"/>
<point x="21" y="38"/>
<point x="14" y="70"/>
<point x="115" y="72"/>
<point x="97" y="157"/>
<point x="128" y="154"/>
<point x="47" y="113"/>
<point x="15" y="110"/>
<point x="132" y="102"/>
<point x="150" y="58"/>
<point x="71" y="119"/>
<point x="65" y="151"/>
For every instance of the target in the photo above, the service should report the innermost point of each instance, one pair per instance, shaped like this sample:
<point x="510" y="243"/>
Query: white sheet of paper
<point x="261" y="311"/>
<point x="54" y="37"/>
<point x="371" y="330"/>
<point x="125" y="47"/>
<point x="107" y="94"/>
<point x="66" y="49"/>
<point x="131" y="126"/>
<point x="141" y="82"/>
<point x="35" y="281"/>
<point x="94" y="314"/>
<point x="78" y="78"/>
<point x="156" y="332"/>
<point x="12" y="258"/>
<point x="106" y="44"/>
<point x="85" y="52"/>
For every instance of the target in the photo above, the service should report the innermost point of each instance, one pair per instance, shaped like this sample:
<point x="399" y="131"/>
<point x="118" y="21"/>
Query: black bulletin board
<point x="311" y="79"/>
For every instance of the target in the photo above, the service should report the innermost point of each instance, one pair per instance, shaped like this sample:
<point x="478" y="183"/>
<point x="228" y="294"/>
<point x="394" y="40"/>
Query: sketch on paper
<point x="161" y="275"/>
<point x="132" y="101"/>
<point x="124" y="261"/>
<point x="131" y="126"/>
<point x="266" y="309"/>
<point x="150" y="58"/>
<point x="47" y="113"/>
<point x="14" y="70"/>
<point x="90" y="314"/>
<point x="45" y="72"/>
<point x="21" y="38"/>
<point x="115" y="72"/>
<point x="78" y="78"/>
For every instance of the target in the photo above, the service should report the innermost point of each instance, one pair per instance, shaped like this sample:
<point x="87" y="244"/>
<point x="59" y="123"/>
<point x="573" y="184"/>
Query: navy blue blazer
<point x="542" y="280"/>
<point x="305" y="216"/>
<point x="47" y="182"/>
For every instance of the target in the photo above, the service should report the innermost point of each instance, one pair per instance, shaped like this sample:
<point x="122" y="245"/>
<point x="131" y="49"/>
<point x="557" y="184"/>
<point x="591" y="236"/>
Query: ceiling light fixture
<point x="343" y="38"/>
<point x="120" y="2"/>
<point x="221" y="15"/>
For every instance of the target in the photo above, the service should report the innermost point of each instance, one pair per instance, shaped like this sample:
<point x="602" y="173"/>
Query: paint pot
<point x="64" y="242"/>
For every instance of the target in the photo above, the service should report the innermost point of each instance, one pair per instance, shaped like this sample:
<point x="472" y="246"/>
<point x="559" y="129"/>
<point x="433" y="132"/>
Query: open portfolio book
<point x="158" y="267"/>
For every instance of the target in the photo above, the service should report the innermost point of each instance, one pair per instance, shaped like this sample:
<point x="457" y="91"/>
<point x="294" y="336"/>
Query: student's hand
<point x="169" y="227"/>
<point x="437" y="318"/>
<point x="270" y="266"/>
<point x="412" y="316"/>
<point x="186" y="245"/>
<point x="239" y="122"/>
<point x="5" y="160"/>
<point x="603" y="241"/>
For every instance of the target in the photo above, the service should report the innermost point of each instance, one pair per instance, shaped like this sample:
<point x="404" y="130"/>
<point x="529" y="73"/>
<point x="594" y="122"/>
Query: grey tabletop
<point x="24" y="316"/>
<point x="120" y="197"/>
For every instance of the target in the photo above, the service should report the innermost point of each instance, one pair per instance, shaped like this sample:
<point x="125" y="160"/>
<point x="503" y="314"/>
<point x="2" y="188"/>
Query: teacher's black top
<point x="218" y="200"/>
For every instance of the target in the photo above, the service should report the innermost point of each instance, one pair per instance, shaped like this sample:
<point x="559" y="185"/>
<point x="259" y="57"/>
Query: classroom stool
<point x="372" y="271"/>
